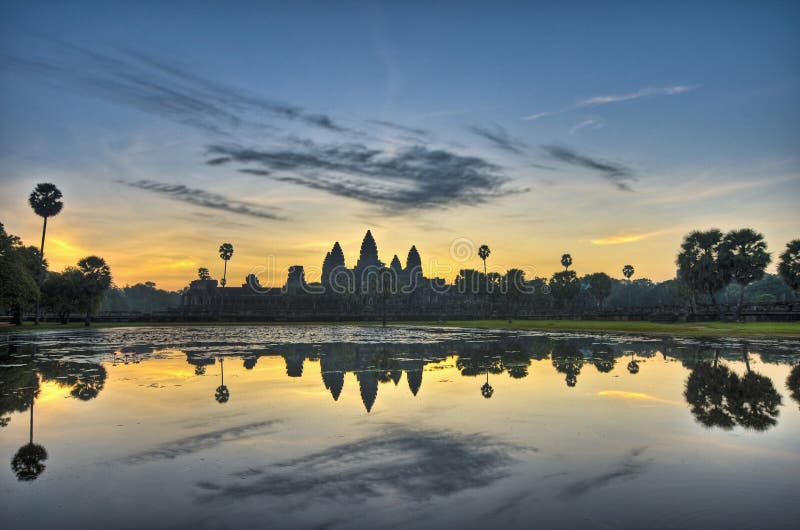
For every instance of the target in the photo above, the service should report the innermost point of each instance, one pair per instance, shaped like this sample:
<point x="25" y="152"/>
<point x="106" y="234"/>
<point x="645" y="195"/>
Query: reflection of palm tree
<point x="793" y="383"/>
<point x="756" y="401"/>
<point x="486" y="390"/>
<point x="222" y="394"/>
<point x="708" y="391"/>
<point x="28" y="463"/>
<point x="633" y="366"/>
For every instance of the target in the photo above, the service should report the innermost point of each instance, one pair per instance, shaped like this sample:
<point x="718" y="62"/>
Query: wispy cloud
<point x="500" y="138"/>
<point x="615" y="98"/>
<point x="409" y="178"/>
<point x="628" y="238"/>
<point x="590" y="124"/>
<point x="134" y="79"/>
<point x="205" y="199"/>
<point x="619" y="175"/>
<point x="402" y="128"/>
<point x="638" y="94"/>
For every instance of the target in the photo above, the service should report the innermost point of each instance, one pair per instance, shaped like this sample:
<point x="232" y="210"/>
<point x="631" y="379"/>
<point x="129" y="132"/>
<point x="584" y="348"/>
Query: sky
<point x="606" y="130"/>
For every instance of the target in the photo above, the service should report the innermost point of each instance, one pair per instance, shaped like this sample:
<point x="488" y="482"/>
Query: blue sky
<point x="561" y="125"/>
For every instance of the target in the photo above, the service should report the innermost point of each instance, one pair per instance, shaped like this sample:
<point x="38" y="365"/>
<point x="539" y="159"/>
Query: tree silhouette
<point x="789" y="265"/>
<point x="483" y="253"/>
<point x="633" y="366"/>
<point x="756" y="402"/>
<point x="28" y="462"/>
<point x="708" y="392"/>
<point x="203" y="274"/>
<point x="95" y="281"/>
<point x="698" y="265"/>
<point x="743" y="257"/>
<point x="222" y="394"/>
<point x="566" y="261"/>
<point x="45" y="199"/>
<point x="486" y="389"/>
<point x="226" y="253"/>
<point x="564" y="286"/>
<point x="628" y="272"/>
<point x="793" y="383"/>
<point x="600" y="286"/>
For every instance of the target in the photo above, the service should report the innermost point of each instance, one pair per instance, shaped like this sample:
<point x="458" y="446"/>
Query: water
<point x="364" y="427"/>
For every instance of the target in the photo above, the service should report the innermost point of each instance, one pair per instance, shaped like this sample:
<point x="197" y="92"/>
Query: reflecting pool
<point x="370" y="427"/>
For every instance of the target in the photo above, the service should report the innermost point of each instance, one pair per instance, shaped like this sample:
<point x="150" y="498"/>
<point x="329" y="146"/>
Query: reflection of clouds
<point x="409" y="463"/>
<point x="200" y="442"/>
<point x="629" y="467"/>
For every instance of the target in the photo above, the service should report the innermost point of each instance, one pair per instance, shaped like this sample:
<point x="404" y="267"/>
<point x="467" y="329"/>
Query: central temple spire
<point x="369" y="253"/>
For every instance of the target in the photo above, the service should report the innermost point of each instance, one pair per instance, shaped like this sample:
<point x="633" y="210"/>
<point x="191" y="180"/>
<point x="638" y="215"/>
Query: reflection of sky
<point x="617" y="449"/>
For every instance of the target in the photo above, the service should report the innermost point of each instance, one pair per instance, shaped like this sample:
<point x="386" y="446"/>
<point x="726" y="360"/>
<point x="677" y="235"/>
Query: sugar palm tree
<point x="566" y="261"/>
<point x="789" y="266"/>
<point x="225" y="252"/>
<point x="743" y="258"/>
<point x="628" y="271"/>
<point x="483" y="253"/>
<point x="45" y="199"/>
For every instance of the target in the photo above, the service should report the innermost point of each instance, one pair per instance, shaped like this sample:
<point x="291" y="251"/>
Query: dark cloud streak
<point x="410" y="178"/>
<point x="205" y="199"/>
<point x="500" y="138"/>
<point x="618" y="174"/>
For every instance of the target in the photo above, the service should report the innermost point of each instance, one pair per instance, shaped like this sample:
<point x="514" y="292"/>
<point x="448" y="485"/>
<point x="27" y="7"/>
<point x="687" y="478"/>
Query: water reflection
<point x="719" y="395"/>
<point x="721" y="398"/>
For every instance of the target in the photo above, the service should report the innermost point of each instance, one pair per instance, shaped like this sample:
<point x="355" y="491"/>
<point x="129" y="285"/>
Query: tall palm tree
<point x="483" y="253"/>
<point x="743" y="258"/>
<point x="225" y="252"/>
<point x="45" y="199"/>
<point x="566" y="261"/>
<point x="628" y="271"/>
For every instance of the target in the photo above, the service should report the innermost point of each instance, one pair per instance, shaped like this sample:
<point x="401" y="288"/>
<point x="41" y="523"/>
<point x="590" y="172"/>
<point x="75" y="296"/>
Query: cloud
<point x="628" y="238"/>
<point x="134" y="79"/>
<point x="500" y="138"/>
<point x="618" y="174"/>
<point x="638" y="94"/>
<point x="417" y="465"/>
<point x="628" y="468"/>
<point x="591" y="124"/>
<point x="200" y="442"/>
<point x="539" y="115"/>
<point x="205" y="199"/>
<point x="605" y="100"/>
<point x="409" y="178"/>
<point x="401" y="128"/>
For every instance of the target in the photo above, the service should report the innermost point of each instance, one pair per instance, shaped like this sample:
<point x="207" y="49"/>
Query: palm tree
<point x="225" y="252"/>
<point x="566" y="261"/>
<point x="743" y="257"/>
<point x="203" y="274"/>
<point x="45" y="200"/>
<point x="698" y="264"/>
<point x="628" y="271"/>
<point x="95" y="281"/>
<point x="483" y="253"/>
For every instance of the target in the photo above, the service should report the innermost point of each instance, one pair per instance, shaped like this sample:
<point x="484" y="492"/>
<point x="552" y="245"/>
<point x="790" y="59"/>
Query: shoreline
<point x="779" y="330"/>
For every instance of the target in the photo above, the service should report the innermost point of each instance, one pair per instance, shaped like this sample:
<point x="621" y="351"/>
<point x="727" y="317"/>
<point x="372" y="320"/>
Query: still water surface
<point x="364" y="427"/>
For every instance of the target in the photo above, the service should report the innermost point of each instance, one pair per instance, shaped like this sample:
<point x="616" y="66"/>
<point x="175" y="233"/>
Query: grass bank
<point x="696" y="329"/>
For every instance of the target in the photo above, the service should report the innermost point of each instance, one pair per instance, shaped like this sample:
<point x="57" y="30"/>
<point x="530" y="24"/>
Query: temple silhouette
<point x="340" y="289"/>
